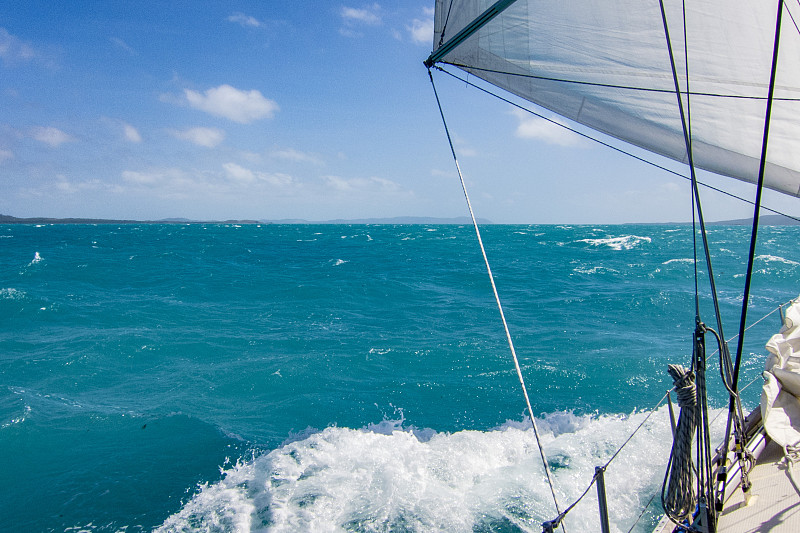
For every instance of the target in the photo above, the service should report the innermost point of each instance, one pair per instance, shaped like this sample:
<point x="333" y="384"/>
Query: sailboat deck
<point x="775" y="503"/>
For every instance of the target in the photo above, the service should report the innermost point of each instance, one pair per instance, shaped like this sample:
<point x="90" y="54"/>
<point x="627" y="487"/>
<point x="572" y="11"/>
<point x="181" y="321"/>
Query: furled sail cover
<point x="780" y="396"/>
<point x="605" y="64"/>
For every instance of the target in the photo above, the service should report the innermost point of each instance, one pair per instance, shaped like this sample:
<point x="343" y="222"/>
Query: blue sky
<point x="284" y="109"/>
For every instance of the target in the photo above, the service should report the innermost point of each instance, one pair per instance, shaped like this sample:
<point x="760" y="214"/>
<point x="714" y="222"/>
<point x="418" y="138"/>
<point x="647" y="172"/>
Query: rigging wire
<point x="499" y="304"/>
<point x="759" y="189"/>
<point x="446" y="20"/>
<point x="789" y="12"/>
<point x="679" y="486"/>
<point x="735" y="401"/>
<point x="652" y="411"/>
<point x="604" y="143"/>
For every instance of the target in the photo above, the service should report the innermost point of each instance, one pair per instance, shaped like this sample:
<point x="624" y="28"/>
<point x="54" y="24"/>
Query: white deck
<point x="774" y="506"/>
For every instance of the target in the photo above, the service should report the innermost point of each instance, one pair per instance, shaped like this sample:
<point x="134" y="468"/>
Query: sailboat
<point x="714" y="85"/>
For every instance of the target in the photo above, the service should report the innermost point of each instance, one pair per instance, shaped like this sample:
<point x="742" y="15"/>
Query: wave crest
<point x="624" y="242"/>
<point x="386" y="478"/>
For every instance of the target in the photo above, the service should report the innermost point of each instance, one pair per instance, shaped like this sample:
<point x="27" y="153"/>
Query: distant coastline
<point x="7" y="219"/>
<point x="765" y="220"/>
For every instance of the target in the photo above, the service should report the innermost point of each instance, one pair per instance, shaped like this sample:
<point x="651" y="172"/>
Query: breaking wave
<point x="625" y="242"/>
<point x="389" y="478"/>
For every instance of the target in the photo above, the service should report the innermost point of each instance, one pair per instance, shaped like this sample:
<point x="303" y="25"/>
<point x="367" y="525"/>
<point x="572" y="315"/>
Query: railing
<point x="599" y="474"/>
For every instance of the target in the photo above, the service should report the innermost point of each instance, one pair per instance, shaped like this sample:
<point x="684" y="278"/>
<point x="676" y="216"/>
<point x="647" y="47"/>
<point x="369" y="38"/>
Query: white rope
<point x="499" y="306"/>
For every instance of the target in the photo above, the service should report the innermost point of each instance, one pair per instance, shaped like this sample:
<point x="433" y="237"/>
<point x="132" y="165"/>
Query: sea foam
<point x="776" y="259"/>
<point x="624" y="242"/>
<point x="389" y="478"/>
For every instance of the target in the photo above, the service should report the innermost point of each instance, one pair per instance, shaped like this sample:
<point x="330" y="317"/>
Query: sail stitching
<point x="615" y="86"/>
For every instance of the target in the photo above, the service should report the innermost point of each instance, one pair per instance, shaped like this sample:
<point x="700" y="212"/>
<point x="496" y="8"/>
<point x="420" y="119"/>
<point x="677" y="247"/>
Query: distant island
<point x="764" y="220"/>
<point x="7" y="219"/>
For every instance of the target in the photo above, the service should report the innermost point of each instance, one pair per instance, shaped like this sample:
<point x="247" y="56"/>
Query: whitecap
<point x="11" y="294"/>
<point x="776" y="259"/>
<point x="625" y="242"/>
<point x="593" y="270"/>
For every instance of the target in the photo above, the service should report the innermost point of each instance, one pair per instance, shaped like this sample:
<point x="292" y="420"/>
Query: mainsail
<point x="606" y="65"/>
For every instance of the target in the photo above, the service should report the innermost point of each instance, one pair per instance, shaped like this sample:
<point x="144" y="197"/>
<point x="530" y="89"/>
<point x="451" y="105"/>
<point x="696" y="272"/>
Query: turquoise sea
<point x="349" y="377"/>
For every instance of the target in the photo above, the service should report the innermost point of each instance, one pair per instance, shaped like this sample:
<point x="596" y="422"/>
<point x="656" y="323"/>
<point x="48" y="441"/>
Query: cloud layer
<point x="229" y="102"/>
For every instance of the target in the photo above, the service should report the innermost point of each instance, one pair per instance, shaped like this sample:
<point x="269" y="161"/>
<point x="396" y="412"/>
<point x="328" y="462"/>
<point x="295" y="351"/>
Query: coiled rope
<point x="677" y="493"/>
<point x="686" y="394"/>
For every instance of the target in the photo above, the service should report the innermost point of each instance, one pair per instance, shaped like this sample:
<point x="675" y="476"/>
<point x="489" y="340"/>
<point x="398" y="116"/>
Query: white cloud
<point x="290" y="154"/>
<point x="240" y="174"/>
<point x="352" y="185"/>
<point x="13" y="49"/>
<point x="131" y="133"/>
<point x="208" y="137"/>
<point x="63" y="185"/>
<point x="422" y="30"/>
<point x="244" y="20"/>
<point x="5" y="155"/>
<point x="463" y="148"/>
<point x="277" y="179"/>
<point x="370" y="15"/>
<point x="52" y="136"/>
<point x="231" y="103"/>
<point x="167" y="183"/>
<point x="119" y="43"/>
<point x="533" y="127"/>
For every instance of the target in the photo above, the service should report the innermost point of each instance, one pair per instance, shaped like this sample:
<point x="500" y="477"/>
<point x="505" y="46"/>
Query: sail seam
<point x="611" y="146"/>
<point x="616" y="86"/>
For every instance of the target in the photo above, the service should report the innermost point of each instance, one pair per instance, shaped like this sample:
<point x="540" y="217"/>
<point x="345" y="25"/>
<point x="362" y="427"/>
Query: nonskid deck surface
<point x="775" y="503"/>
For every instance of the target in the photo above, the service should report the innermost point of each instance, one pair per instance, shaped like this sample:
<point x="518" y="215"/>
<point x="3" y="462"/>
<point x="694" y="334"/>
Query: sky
<point x="273" y="110"/>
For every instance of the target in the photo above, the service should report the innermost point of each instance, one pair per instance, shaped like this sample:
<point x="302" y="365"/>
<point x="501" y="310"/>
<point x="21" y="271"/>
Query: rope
<point x="790" y="456"/>
<point x="635" y="431"/>
<point x="689" y="394"/>
<point x="680" y="500"/>
<point x="499" y="304"/>
<point x="644" y="510"/>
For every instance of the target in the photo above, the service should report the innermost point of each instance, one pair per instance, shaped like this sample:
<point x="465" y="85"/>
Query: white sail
<point x="605" y="64"/>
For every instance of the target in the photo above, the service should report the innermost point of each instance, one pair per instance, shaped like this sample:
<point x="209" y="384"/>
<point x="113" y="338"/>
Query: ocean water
<point x="350" y="377"/>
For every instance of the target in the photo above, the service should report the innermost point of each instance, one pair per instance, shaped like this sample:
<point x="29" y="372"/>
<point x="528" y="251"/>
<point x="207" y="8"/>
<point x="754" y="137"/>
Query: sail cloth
<point x="780" y="396"/>
<point x="606" y="65"/>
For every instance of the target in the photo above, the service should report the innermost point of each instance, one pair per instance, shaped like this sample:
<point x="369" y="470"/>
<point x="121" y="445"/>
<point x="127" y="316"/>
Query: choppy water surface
<point x="347" y="378"/>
